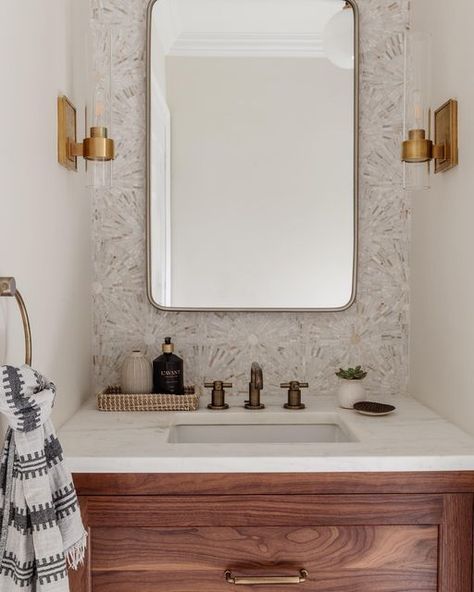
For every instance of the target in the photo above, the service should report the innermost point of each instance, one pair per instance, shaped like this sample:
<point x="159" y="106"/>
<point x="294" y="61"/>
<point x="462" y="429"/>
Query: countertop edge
<point x="272" y="465"/>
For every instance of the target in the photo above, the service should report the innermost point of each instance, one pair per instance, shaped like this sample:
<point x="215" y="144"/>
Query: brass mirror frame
<point x="352" y="300"/>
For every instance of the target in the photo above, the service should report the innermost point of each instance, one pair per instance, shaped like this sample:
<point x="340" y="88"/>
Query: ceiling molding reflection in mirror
<point x="284" y="32"/>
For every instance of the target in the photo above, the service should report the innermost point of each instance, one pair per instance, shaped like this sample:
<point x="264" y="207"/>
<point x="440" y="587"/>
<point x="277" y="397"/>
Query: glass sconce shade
<point x="338" y="38"/>
<point x="98" y="147"/>
<point x="100" y="104"/>
<point x="417" y="150"/>
<point x="417" y="81"/>
<point x="99" y="110"/>
<point x="416" y="176"/>
<point x="99" y="174"/>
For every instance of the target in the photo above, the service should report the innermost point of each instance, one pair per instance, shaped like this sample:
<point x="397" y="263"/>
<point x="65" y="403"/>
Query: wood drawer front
<point x="264" y="510"/>
<point x="390" y="558"/>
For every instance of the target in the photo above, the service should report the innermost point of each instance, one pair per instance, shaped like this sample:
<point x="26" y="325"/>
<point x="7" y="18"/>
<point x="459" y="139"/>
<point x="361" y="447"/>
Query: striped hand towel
<point x="41" y="528"/>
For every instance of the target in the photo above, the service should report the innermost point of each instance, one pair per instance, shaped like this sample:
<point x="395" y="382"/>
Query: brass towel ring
<point x="8" y="288"/>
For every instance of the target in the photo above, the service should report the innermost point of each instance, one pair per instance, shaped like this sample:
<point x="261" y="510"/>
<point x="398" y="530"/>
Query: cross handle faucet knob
<point x="218" y="394"/>
<point x="294" y="394"/>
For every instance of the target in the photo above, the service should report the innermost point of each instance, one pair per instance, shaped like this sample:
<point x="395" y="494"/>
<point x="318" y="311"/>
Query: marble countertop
<point x="413" y="438"/>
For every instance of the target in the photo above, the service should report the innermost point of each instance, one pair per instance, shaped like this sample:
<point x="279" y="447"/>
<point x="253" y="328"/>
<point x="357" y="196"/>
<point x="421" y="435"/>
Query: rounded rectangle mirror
<point x="252" y="154"/>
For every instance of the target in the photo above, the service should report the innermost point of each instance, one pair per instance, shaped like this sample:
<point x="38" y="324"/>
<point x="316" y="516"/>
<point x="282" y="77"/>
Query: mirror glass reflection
<point x="252" y="196"/>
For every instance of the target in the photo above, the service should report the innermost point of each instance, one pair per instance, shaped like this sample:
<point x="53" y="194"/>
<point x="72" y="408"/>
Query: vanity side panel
<point x="456" y="544"/>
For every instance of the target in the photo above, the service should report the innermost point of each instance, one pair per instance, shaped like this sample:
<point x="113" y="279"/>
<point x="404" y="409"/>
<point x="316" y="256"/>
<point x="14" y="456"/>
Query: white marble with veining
<point x="411" y="439"/>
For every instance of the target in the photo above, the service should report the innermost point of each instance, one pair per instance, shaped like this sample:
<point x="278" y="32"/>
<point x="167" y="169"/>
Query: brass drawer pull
<point x="265" y="580"/>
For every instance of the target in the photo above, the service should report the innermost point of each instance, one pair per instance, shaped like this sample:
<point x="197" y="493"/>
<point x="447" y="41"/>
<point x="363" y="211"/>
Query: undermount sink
<point x="258" y="434"/>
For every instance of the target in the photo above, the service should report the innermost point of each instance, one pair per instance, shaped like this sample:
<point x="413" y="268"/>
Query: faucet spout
<point x="255" y="386"/>
<point x="256" y="375"/>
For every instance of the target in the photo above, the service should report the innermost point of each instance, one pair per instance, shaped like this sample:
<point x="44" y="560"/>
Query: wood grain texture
<point x="456" y="542"/>
<point x="273" y="483"/>
<point x="360" y="581"/>
<point x="261" y="510"/>
<point x="281" y="549"/>
<point x="354" y="533"/>
<point x="80" y="579"/>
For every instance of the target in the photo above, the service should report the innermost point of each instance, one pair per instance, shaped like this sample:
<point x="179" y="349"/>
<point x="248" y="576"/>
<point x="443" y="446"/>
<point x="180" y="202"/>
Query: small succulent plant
<point x="357" y="373"/>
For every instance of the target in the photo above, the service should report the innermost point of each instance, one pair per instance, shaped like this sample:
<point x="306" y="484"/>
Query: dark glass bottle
<point x="168" y="371"/>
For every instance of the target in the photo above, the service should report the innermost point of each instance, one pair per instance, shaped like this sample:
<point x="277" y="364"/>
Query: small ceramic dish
<point x="373" y="409"/>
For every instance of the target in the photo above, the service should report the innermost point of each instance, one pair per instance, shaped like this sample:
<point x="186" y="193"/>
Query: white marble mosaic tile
<point x="309" y="346"/>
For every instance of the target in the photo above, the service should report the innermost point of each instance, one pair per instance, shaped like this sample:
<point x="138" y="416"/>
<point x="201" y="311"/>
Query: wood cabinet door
<point x="347" y="543"/>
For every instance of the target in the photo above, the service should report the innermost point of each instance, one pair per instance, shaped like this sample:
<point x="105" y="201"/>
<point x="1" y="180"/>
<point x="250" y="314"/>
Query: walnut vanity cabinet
<point x="352" y="532"/>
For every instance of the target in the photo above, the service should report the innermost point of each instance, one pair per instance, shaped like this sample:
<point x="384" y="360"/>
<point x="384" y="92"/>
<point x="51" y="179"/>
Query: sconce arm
<point x="75" y="149"/>
<point x="439" y="151"/>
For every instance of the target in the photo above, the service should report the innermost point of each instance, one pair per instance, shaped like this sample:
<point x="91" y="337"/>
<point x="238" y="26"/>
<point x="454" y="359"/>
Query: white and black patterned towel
<point x="41" y="528"/>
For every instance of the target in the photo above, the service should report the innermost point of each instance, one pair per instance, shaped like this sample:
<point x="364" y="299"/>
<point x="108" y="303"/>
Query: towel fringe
<point x="75" y="554"/>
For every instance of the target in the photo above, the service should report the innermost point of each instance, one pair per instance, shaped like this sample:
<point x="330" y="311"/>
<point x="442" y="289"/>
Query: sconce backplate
<point x="67" y="133"/>
<point x="446" y="135"/>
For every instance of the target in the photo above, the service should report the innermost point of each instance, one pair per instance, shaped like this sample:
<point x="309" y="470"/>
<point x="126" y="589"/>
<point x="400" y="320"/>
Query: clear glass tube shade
<point x="416" y="176"/>
<point x="99" y="102"/>
<point x="99" y="174"/>
<point x="417" y="102"/>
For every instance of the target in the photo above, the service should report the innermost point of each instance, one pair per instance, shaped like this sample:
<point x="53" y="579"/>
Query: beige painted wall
<point x="44" y="209"/>
<point x="442" y="278"/>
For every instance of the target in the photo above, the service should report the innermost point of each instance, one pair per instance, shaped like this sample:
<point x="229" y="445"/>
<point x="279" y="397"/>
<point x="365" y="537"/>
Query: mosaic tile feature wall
<point x="308" y="346"/>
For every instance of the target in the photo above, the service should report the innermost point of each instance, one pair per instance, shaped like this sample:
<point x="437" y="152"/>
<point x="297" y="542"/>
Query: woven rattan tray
<point x="112" y="399"/>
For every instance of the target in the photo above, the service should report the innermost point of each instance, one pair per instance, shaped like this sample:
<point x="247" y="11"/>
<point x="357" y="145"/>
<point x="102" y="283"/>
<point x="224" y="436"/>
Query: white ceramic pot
<point x="350" y="392"/>
<point x="137" y="374"/>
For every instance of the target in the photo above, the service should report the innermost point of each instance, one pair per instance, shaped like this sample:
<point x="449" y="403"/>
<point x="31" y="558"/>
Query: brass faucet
<point x="255" y="386"/>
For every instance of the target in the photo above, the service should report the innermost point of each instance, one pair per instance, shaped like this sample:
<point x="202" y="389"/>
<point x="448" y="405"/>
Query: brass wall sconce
<point x="418" y="147"/>
<point x="98" y="147"/>
<point x="444" y="149"/>
<point x="8" y="288"/>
